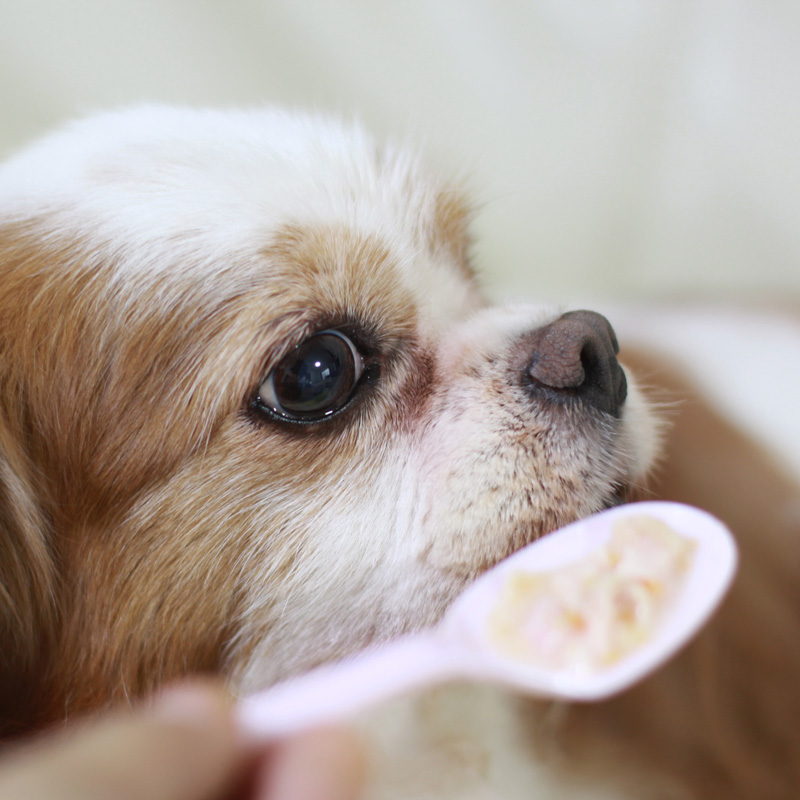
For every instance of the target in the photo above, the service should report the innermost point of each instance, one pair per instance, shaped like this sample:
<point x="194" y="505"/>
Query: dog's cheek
<point x="356" y="577"/>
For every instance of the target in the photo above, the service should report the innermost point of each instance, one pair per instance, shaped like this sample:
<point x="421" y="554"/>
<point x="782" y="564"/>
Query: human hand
<point x="183" y="746"/>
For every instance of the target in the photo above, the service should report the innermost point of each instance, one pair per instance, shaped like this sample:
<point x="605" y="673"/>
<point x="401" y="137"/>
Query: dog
<point x="257" y="414"/>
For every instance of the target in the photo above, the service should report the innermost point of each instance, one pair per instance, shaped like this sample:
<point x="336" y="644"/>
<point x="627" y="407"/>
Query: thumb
<point x="183" y="747"/>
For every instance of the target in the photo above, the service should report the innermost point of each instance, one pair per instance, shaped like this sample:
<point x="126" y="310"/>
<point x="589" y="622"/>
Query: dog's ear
<point x="27" y="607"/>
<point x="27" y="589"/>
<point x="26" y="568"/>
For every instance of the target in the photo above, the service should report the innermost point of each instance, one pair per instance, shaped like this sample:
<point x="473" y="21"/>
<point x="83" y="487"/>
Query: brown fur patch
<point x="450" y="231"/>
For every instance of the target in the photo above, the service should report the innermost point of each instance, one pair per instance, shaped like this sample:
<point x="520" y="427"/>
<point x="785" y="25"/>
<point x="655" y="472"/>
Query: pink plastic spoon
<point x="461" y="646"/>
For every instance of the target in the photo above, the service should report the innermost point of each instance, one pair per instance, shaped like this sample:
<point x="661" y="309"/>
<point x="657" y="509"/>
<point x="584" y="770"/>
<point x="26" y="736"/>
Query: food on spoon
<point x="589" y="614"/>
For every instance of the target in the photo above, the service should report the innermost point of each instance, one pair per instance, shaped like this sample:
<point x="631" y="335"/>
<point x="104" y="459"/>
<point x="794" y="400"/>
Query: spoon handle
<point x="335" y="692"/>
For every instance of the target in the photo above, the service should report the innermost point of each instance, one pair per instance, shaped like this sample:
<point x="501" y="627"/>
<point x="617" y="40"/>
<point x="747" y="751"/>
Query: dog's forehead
<point x="168" y="154"/>
<point x="205" y="194"/>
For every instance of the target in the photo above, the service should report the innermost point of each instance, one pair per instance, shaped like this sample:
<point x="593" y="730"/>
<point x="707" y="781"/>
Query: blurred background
<point x="620" y="149"/>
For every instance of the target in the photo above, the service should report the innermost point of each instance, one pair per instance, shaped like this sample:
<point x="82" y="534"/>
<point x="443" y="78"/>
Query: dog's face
<point x="255" y="410"/>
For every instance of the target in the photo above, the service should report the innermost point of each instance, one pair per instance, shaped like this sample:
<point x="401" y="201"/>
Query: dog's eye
<point x="315" y="380"/>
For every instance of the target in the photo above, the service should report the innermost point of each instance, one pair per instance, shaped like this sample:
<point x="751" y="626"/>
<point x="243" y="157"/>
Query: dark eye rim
<point x="370" y="372"/>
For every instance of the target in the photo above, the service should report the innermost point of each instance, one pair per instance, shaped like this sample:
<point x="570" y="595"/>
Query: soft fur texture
<point x="156" y="266"/>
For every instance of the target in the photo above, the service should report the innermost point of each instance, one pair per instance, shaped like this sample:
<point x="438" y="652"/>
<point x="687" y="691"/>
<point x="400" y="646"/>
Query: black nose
<point x="575" y="357"/>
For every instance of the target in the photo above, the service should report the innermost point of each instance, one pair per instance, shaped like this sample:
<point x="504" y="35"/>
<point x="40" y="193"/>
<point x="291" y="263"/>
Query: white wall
<point x="623" y="149"/>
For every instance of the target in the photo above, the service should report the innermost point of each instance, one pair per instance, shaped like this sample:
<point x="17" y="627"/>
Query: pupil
<point x="317" y="376"/>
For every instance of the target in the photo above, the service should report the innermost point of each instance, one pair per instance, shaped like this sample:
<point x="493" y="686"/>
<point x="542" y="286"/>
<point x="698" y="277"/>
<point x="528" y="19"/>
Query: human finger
<point x="328" y="764"/>
<point x="184" y="747"/>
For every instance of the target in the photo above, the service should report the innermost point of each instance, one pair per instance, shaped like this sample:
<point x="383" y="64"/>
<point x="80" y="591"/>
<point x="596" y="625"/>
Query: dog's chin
<point x="620" y="495"/>
<point x="524" y="535"/>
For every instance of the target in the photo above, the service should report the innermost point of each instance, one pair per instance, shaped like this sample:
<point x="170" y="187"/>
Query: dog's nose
<point x="575" y="356"/>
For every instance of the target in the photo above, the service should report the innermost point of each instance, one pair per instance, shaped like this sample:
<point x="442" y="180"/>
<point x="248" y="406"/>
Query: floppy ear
<point x="25" y="563"/>
<point x="27" y="607"/>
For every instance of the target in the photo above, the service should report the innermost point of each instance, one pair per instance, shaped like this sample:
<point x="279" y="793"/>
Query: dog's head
<point x="254" y="409"/>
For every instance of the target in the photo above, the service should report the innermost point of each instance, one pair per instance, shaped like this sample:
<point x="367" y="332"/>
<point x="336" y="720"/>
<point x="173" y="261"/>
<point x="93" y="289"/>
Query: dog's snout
<point x="575" y="356"/>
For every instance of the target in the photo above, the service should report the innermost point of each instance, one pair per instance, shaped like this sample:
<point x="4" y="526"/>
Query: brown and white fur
<point x="157" y="265"/>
